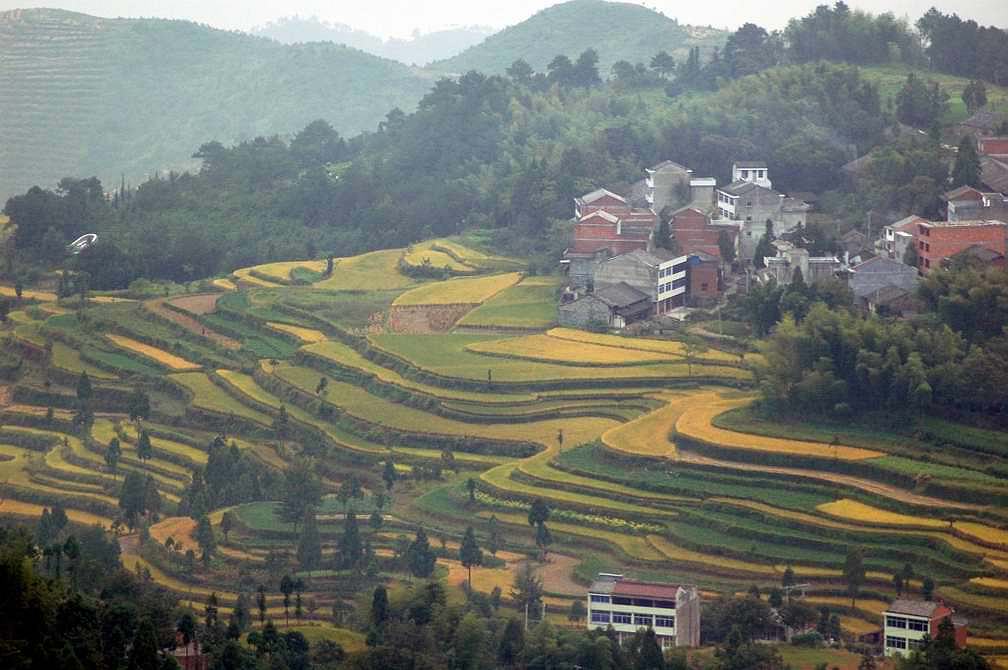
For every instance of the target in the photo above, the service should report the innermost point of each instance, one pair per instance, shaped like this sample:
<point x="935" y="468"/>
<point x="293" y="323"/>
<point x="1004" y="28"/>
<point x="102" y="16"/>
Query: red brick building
<point x="992" y="146"/>
<point x="694" y="232"/>
<point x="704" y="278"/>
<point x="606" y="226"/>
<point x="939" y="240"/>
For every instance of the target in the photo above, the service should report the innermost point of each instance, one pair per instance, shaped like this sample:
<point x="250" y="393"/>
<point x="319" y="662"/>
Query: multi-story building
<point x="673" y="612"/>
<point x="667" y="185"/>
<point x="781" y="268"/>
<point x="939" y="240"/>
<point x="754" y="172"/>
<point x="694" y="231"/>
<point x="969" y="204"/>
<point x="759" y="209"/>
<point x="658" y="273"/>
<point x="899" y="236"/>
<point x="908" y="621"/>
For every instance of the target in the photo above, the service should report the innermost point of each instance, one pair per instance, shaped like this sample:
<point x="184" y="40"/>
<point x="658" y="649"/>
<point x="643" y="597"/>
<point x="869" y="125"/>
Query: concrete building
<point x="758" y="208"/>
<point x="615" y="306"/>
<point x="667" y="185"/>
<point x="781" y="268"/>
<point x="658" y="273"/>
<point x="694" y="231"/>
<point x="898" y="236"/>
<point x="939" y="240"/>
<point x="702" y="193"/>
<point x="754" y="172"/>
<point x="906" y="622"/>
<point x="673" y="612"/>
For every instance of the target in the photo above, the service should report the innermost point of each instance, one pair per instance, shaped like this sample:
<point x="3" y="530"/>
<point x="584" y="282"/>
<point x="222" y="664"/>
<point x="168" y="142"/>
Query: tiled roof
<point x="983" y="120"/>
<point x="750" y="164"/>
<point x="628" y="587"/>
<point x="668" y="164"/>
<point x="994" y="173"/>
<point x="921" y="608"/>
<point x="739" y="187"/>
<point x="589" y="198"/>
<point x="599" y="213"/>
<point x="878" y="273"/>
<point x="980" y="252"/>
<point x="620" y="295"/>
<point x="963" y="193"/>
<point x="908" y="224"/>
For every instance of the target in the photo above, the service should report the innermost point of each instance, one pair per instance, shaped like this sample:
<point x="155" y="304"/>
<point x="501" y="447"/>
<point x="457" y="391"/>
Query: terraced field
<point x="631" y="453"/>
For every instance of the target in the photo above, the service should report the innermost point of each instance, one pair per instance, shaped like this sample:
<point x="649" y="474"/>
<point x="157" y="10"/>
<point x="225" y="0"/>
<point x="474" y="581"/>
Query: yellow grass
<point x="375" y="271"/>
<point x="466" y="290"/>
<point x="208" y="396"/>
<point x="863" y="604"/>
<point x="695" y="423"/>
<point x="642" y="344"/>
<point x="983" y="533"/>
<point x="990" y="582"/>
<point x="103" y="430"/>
<point x="681" y="554"/>
<point x="33" y="511"/>
<point x="416" y="254"/>
<point x="853" y="510"/>
<point x="554" y="350"/>
<point x="993" y="603"/>
<point x="857" y="626"/>
<point x="1000" y="564"/>
<point x="306" y="335"/>
<point x="280" y="272"/>
<point x="163" y="357"/>
<point x="42" y="296"/>
<point x="648" y="435"/>
<point x="244" y="277"/>
<point x="180" y="528"/>
<point x="986" y="642"/>
<point x="483" y="579"/>
<point x="224" y="283"/>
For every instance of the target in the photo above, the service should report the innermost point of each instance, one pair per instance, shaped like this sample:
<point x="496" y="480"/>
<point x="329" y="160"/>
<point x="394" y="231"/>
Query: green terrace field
<point x="648" y="468"/>
<point x="890" y="80"/>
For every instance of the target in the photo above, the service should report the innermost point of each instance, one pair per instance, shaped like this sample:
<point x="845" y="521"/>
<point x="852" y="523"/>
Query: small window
<point x="645" y="620"/>
<point x="748" y="203"/>
<point x="895" y="622"/>
<point x="664" y="622"/>
<point x="703" y="286"/>
<point x="600" y="617"/>
<point x="620" y="617"/>
<point x="595" y="598"/>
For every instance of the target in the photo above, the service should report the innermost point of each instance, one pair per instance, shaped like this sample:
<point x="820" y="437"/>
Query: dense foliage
<point x="965" y="48"/>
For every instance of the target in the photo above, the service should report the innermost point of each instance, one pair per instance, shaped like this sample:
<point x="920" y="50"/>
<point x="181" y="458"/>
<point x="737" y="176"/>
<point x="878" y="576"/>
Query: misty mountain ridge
<point x="419" y="49"/>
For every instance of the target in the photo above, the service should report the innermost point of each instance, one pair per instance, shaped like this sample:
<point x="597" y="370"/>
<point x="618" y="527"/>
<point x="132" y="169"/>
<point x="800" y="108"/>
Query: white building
<point x="754" y="172"/>
<point x="628" y="605"/>
<point x="908" y="621"/>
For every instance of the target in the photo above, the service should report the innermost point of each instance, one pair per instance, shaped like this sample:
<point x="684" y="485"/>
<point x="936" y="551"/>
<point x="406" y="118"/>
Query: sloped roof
<point x="983" y="120"/>
<point x="980" y="252"/>
<point x="920" y="608"/>
<point x="742" y="187"/>
<point x="907" y="224"/>
<point x="599" y="193"/>
<point x="668" y="164"/>
<point x="994" y="173"/>
<point x="749" y="164"/>
<point x="963" y="193"/>
<point x="879" y="272"/>
<point x="600" y="213"/>
<point x="620" y="295"/>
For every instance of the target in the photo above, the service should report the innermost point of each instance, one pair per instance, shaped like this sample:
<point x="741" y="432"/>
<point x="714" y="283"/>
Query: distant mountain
<point x="418" y="50"/>
<point x="88" y="96"/>
<point x="616" y="30"/>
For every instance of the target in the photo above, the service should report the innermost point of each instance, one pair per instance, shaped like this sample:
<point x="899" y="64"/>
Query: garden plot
<point x="529" y="304"/>
<point x="467" y="291"/>
<point x="306" y="335"/>
<point x="207" y="395"/>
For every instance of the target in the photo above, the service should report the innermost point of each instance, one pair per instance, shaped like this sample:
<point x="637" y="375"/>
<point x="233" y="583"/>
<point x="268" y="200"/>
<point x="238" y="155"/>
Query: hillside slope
<point x="419" y="49"/>
<point x="88" y="96"/>
<point x="617" y="30"/>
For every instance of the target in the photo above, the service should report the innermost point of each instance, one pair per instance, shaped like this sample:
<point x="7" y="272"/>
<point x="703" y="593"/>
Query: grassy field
<point x="853" y="510"/>
<point x="160" y="356"/>
<point x="529" y="304"/>
<point x="464" y="290"/>
<point x="890" y="80"/>
<point x="648" y="435"/>
<point x="207" y="395"/>
<point x="555" y="350"/>
<point x="306" y="335"/>
<point x="374" y="271"/>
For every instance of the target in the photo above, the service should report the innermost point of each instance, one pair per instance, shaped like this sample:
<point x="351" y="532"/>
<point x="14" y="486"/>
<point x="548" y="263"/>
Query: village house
<point x="790" y="258"/>
<point x="659" y="273"/>
<point x="979" y="256"/>
<point x="939" y="240"/>
<point x="983" y="123"/>
<point x="757" y="207"/>
<point x="967" y="203"/>
<point x="615" y="306"/>
<point x="693" y="231"/>
<point x="667" y="185"/>
<point x="871" y="280"/>
<point x="898" y="236"/>
<point x="906" y="622"/>
<point x="605" y="226"/>
<point x="673" y="612"/>
<point x="705" y="279"/>
<point x="993" y="146"/>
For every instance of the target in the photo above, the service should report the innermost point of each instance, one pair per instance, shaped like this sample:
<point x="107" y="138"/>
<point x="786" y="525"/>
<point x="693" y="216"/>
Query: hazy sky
<point x="400" y="17"/>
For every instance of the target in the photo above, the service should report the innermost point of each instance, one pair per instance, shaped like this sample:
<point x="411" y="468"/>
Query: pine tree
<point x="309" y="550"/>
<point x="966" y="171"/>
<point x="470" y="553"/>
<point x="112" y="454"/>
<point x="145" y="451"/>
<point x="351" y="546"/>
<point x="420" y="557"/>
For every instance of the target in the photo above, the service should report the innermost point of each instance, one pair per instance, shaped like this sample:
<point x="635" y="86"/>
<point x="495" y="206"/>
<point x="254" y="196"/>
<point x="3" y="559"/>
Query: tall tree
<point x="663" y="64"/>
<point x="854" y="573"/>
<point x="966" y="170"/>
<point x="309" y="550"/>
<point x="470" y="553"/>
<point x="286" y="588"/>
<point x="420" y="556"/>
<point x="145" y="451"/>
<point x="205" y="538"/>
<point x="351" y="547"/>
<point x="112" y="453"/>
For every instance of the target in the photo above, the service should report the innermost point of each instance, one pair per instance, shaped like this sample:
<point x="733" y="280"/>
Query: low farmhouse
<point x="791" y="259"/>
<point x="614" y="306"/>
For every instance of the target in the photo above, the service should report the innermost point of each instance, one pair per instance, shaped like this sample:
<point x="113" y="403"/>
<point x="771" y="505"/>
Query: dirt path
<point x="198" y="304"/>
<point x="885" y="490"/>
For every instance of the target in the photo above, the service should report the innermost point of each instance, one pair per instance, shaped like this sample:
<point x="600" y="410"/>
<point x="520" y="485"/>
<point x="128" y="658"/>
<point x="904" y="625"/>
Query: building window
<point x="599" y="599"/>
<point x="895" y="622"/>
<point x="664" y="622"/>
<point x="915" y="644"/>
<point x="927" y="262"/>
<point x="895" y="642"/>
<point x="748" y="203"/>
<point x="917" y="625"/>
<point x="645" y="620"/>
<point x="600" y="617"/>
<point x="618" y="617"/>
<point x="703" y="286"/>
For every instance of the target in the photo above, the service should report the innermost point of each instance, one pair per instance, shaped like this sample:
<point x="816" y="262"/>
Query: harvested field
<point x="554" y="350"/>
<point x="306" y="335"/>
<point x="375" y="271"/>
<point x="425" y="319"/>
<point x="467" y="290"/>
<point x="33" y="511"/>
<point x="986" y="534"/>
<point x="225" y="284"/>
<point x="649" y="435"/>
<point x="695" y="423"/>
<point x="180" y="528"/>
<point x="161" y="356"/>
<point x="853" y="510"/>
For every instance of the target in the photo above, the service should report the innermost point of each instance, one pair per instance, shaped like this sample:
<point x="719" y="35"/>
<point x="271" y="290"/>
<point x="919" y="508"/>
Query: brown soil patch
<point x="424" y="319"/>
<point x="5" y="395"/>
<point x="557" y="575"/>
<point x="180" y="528"/>
<point x="196" y="304"/>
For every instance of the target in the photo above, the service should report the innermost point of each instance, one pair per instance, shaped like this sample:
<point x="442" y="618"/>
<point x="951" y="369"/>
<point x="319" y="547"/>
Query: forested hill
<point x="89" y="96"/>
<point x="616" y="30"/>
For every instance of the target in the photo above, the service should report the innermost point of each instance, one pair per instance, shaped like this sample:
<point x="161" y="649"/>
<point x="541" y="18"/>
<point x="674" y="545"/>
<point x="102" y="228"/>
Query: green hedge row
<point x="28" y="440"/>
